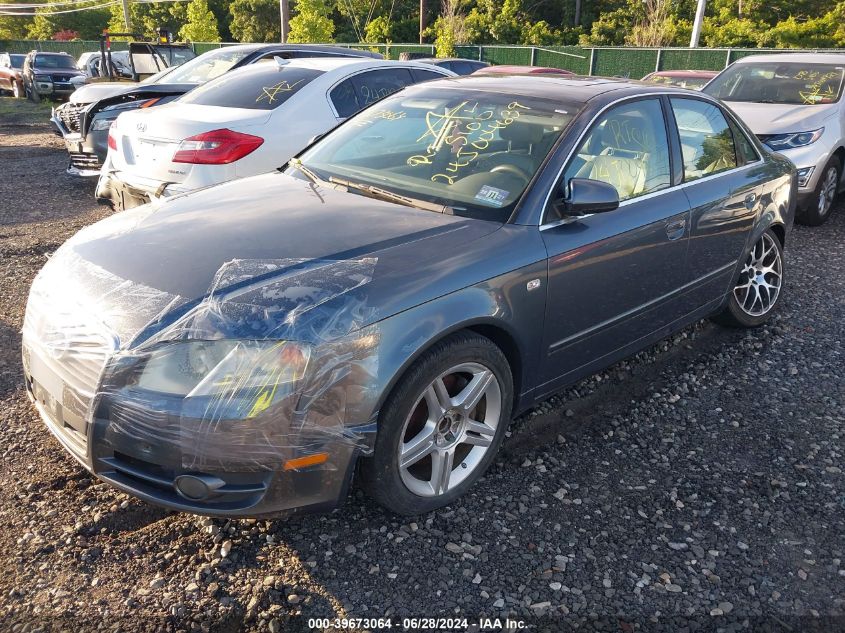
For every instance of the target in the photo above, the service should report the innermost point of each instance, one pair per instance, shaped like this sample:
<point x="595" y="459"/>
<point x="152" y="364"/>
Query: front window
<point x="779" y="82"/>
<point x="472" y="151"/>
<point x="253" y="87"/>
<point x="17" y="60"/>
<point x="626" y="148"/>
<point x="206" y="66"/>
<point x="55" y="61"/>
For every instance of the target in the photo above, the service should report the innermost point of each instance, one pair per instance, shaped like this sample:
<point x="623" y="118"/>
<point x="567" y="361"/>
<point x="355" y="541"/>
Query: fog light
<point x="804" y="176"/>
<point x="197" y="487"/>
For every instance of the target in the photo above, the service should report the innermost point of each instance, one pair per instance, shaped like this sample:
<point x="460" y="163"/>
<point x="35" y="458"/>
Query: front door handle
<point x="675" y="229"/>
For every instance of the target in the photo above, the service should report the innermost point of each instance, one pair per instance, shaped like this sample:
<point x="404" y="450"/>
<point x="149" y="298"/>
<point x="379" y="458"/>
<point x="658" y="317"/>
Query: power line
<point x="4" y="7"/>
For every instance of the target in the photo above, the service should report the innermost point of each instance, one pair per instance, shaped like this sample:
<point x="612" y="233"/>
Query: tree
<point x="255" y="20"/>
<point x="201" y="25"/>
<point x="88" y="24"/>
<point x="15" y="27"/>
<point x="147" y="17"/>
<point x="311" y="23"/>
<point x="449" y="29"/>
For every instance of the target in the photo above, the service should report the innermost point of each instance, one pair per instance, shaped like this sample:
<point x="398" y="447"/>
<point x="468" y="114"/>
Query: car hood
<point x="264" y="247"/>
<point x="775" y="118"/>
<point x="99" y="91"/>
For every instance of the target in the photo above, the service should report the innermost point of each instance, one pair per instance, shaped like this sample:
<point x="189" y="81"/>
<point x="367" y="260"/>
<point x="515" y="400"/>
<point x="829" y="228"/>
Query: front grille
<point x="81" y="160"/>
<point x="70" y="115"/>
<point x="61" y="78"/>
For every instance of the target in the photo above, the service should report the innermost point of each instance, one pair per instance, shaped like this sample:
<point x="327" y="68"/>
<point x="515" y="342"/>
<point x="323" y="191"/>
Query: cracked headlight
<point x="256" y="371"/>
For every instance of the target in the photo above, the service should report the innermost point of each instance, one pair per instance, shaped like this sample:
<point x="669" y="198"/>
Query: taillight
<point x="113" y="136"/>
<point x="217" y="147"/>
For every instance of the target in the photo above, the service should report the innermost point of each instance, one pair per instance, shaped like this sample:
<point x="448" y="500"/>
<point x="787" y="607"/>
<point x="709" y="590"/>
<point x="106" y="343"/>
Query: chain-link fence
<point x="622" y="61"/>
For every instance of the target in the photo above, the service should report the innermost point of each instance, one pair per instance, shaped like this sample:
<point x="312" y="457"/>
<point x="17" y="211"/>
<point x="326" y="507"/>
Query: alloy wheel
<point x="449" y="429"/>
<point x="828" y="191"/>
<point x="759" y="282"/>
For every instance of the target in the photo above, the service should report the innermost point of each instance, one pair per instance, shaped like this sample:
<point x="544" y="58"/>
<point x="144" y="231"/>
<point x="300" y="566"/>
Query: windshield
<point x="17" y="60"/>
<point x="55" y="61"/>
<point x="255" y="87"/>
<point x="207" y="66"/>
<point x="472" y="151"/>
<point x="775" y="82"/>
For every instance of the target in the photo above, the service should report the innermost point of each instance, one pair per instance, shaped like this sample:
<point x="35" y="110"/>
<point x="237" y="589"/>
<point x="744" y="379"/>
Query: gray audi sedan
<point x="388" y="301"/>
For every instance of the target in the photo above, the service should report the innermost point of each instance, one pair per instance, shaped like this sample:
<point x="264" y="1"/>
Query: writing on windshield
<point x="467" y="130"/>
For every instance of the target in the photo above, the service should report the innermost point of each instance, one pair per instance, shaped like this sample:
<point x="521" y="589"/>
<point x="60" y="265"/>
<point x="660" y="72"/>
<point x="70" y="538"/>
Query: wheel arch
<point x="497" y="331"/>
<point x="780" y="232"/>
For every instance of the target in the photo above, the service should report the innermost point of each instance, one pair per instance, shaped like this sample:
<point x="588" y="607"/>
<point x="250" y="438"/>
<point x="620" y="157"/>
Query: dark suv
<point x="48" y="75"/>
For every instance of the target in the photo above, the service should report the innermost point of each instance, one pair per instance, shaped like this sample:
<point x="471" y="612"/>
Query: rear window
<point x="17" y="60"/>
<point x="263" y="90"/>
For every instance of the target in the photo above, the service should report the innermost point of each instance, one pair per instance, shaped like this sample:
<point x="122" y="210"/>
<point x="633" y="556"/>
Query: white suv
<point x="793" y="103"/>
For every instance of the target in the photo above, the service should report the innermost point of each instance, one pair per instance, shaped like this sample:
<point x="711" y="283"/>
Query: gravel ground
<point x="696" y="486"/>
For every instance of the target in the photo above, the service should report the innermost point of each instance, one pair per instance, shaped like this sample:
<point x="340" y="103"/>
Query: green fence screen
<point x="621" y="61"/>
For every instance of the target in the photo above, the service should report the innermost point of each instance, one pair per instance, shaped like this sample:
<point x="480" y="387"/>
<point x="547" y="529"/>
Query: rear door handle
<point x="675" y="229"/>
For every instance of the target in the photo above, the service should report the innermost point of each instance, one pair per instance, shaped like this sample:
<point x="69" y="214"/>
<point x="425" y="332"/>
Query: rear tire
<point x="818" y="208"/>
<point x="756" y="293"/>
<point x="441" y="426"/>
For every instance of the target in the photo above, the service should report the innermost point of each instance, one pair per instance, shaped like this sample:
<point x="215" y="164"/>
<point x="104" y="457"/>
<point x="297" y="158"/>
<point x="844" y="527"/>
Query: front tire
<point x="441" y="426"/>
<point x="16" y="90"/>
<point x="818" y="208"/>
<point x="757" y="291"/>
<point x="33" y="95"/>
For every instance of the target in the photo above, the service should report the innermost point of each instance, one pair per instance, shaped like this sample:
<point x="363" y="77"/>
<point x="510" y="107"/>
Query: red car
<point x="521" y="70"/>
<point x="692" y="79"/>
<point x="10" y="73"/>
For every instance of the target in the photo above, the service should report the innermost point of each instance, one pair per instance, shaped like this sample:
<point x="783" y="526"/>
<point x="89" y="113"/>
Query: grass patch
<point x="23" y="112"/>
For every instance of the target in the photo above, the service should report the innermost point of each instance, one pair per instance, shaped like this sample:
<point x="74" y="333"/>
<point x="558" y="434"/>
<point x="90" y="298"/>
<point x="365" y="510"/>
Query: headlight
<point x="101" y="124"/>
<point x="804" y="176"/>
<point x="258" y="371"/>
<point x="793" y="139"/>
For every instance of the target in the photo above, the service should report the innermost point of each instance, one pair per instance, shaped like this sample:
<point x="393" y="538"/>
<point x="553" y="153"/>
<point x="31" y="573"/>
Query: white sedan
<point x="246" y="122"/>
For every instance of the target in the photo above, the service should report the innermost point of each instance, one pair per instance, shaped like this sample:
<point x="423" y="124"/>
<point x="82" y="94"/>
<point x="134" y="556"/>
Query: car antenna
<point x="280" y="62"/>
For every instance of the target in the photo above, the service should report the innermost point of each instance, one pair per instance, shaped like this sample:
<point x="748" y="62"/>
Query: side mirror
<point x="587" y="196"/>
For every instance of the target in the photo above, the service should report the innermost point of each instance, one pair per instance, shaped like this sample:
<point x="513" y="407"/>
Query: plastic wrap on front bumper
<point x="241" y="443"/>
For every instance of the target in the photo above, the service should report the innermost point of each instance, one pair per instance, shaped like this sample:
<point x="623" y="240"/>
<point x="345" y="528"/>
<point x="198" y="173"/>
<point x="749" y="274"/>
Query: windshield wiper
<point x="378" y="192"/>
<point x="310" y="173"/>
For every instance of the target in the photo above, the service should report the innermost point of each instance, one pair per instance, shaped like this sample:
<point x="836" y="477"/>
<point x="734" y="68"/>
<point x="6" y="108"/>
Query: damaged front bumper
<point x="244" y="441"/>
<point x="87" y="145"/>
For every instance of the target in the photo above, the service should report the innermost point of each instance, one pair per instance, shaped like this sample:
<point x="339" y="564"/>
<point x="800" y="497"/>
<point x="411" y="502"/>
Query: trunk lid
<point x="147" y="140"/>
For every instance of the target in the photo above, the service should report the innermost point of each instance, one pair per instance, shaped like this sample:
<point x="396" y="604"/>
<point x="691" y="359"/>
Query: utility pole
<point x="126" y="19"/>
<point x="423" y="23"/>
<point x="696" y="26"/>
<point x="284" y="10"/>
<point x="577" y="12"/>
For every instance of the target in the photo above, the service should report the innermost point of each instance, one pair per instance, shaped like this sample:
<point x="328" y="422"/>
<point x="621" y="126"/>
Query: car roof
<point x="326" y="65"/>
<point x="301" y="47"/>
<point x="806" y="58"/>
<point x="567" y="88"/>
<point x="51" y="53"/>
<point x="685" y="73"/>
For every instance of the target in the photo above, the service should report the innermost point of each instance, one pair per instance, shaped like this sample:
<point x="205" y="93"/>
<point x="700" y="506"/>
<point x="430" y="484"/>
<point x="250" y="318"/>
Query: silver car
<point x="793" y="103"/>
